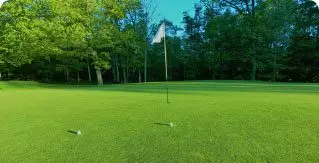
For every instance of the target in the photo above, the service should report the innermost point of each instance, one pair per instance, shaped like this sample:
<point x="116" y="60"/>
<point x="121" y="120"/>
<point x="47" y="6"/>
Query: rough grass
<point x="214" y="122"/>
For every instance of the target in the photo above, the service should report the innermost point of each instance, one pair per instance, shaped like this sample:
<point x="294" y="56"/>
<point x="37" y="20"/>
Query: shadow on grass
<point x="162" y="124"/>
<point x="72" y="132"/>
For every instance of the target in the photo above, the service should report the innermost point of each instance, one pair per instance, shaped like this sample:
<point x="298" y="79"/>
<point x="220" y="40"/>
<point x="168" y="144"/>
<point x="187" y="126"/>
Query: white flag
<point x="160" y="34"/>
<point x="317" y="2"/>
<point x="1" y="2"/>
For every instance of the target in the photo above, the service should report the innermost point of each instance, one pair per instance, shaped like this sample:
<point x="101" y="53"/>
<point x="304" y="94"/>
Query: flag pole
<point x="166" y="74"/>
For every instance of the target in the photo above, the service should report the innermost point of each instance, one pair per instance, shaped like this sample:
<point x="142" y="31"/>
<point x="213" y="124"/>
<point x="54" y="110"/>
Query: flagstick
<point x="158" y="38"/>
<point x="166" y="75"/>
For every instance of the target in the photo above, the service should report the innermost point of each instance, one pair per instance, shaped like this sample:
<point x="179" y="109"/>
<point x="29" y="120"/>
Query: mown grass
<point x="226" y="121"/>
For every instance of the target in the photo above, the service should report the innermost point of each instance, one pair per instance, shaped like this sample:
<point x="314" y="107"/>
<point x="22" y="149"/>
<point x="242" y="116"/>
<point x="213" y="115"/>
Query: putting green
<point x="213" y="122"/>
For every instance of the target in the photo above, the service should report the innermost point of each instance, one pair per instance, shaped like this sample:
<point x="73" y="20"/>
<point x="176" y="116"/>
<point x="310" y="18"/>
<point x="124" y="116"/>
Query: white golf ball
<point x="171" y="124"/>
<point x="78" y="132"/>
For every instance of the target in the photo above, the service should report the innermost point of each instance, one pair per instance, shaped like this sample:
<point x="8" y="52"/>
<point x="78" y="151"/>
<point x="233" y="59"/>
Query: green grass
<point x="214" y="122"/>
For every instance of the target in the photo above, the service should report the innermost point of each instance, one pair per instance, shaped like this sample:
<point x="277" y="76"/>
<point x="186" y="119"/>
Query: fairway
<point x="214" y="121"/>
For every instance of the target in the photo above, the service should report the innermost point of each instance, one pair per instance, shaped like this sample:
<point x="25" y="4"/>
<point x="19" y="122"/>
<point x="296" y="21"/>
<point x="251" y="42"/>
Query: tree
<point x="64" y="40"/>
<point x="303" y="57"/>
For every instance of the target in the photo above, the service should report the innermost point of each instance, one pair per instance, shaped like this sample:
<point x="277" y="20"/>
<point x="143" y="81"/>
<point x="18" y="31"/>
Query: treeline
<point x="96" y="41"/>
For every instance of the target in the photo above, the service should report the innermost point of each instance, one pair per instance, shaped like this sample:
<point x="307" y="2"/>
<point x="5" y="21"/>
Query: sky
<point x="173" y="10"/>
<point x="170" y="9"/>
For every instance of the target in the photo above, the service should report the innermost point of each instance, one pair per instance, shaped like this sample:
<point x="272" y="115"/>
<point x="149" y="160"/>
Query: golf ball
<point x="78" y="132"/>
<point x="171" y="124"/>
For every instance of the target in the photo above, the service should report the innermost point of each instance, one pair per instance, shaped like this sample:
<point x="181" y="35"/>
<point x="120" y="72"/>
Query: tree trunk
<point x="8" y="73"/>
<point x="145" y="67"/>
<point x="50" y="75"/>
<point x="99" y="76"/>
<point x="254" y="64"/>
<point x="124" y="74"/>
<point x="78" y="75"/>
<point x="194" y="71"/>
<point x="254" y="68"/>
<point x="0" y="75"/>
<point x="184" y="68"/>
<point x="67" y="75"/>
<point x="127" y="75"/>
<point x="113" y="72"/>
<point x="117" y="70"/>
<point x="139" y="76"/>
<point x="210" y="70"/>
<point x="274" y="62"/>
<point x="89" y="72"/>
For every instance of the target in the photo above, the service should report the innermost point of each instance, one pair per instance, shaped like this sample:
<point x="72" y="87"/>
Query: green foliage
<point x="52" y="40"/>
<point x="251" y="39"/>
<point x="66" y="34"/>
